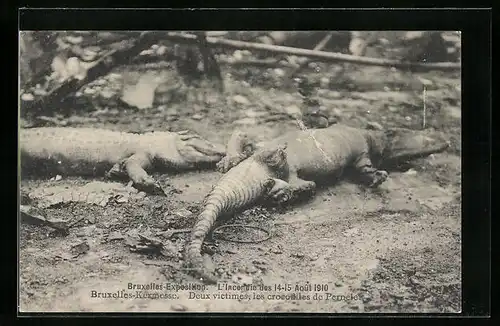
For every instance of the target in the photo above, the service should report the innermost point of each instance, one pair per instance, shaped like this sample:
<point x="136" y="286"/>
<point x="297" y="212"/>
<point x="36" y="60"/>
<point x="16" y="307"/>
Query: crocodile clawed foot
<point x="116" y="172"/>
<point x="228" y="162"/>
<point x="282" y="195"/>
<point x="150" y="186"/>
<point x="379" y="177"/>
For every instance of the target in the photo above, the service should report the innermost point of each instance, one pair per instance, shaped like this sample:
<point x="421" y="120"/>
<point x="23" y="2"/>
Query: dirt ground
<point x="393" y="249"/>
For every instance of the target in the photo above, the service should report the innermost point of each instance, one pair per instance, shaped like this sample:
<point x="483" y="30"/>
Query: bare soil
<point x="393" y="249"/>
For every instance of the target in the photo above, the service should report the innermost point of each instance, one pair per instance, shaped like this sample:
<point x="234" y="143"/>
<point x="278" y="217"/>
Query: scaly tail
<point x="232" y="193"/>
<point x="205" y="222"/>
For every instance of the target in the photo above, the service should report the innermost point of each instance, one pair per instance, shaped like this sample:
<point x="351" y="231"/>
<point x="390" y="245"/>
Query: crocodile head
<point x="274" y="157"/>
<point x="195" y="149"/>
<point x="399" y="146"/>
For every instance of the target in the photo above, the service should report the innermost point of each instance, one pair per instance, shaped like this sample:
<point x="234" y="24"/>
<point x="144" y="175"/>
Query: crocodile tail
<point x="212" y="208"/>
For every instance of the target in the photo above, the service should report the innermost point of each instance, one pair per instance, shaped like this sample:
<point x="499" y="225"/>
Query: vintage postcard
<point x="240" y="171"/>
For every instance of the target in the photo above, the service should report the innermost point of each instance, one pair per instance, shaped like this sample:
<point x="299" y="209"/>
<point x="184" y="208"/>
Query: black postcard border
<point x="475" y="25"/>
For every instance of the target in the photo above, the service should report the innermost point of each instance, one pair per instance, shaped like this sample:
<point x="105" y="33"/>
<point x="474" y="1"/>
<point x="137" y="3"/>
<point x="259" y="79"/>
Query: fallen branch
<point x="318" y="47"/>
<point x="319" y="55"/>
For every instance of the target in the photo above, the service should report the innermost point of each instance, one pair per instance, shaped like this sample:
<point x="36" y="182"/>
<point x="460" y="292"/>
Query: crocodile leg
<point x="286" y="191"/>
<point x="239" y="148"/>
<point x="135" y="167"/>
<point x="370" y="175"/>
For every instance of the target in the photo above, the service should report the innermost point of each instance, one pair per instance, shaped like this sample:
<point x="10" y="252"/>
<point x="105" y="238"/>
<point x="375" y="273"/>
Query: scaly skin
<point x="323" y="154"/>
<point x="309" y="156"/>
<point x="99" y="152"/>
<point x="244" y="185"/>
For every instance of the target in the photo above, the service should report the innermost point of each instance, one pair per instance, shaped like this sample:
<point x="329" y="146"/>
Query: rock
<point x="183" y="213"/>
<point x="89" y="91"/>
<point x="114" y="76"/>
<point x="147" y="52"/>
<point x="40" y="92"/>
<point x="115" y="236"/>
<point x="197" y="116"/>
<point x="278" y="72"/>
<point x="161" y="50"/>
<point x="100" y="82"/>
<point x="237" y="55"/>
<point x="107" y="94"/>
<point x="74" y="39"/>
<point x="411" y="172"/>
<point x="240" y="99"/>
<point x="27" y="97"/>
<point x="324" y="82"/>
<point x="408" y="118"/>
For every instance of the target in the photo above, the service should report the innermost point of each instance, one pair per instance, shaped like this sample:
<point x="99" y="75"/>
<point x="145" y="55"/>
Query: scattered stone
<point x="116" y="235"/>
<point x="100" y="82"/>
<point x="89" y="91"/>
<point x="147" y="52"/>
<point x="197" y="116"/>
<point x="80" y="249"/>
<point x="183" y="213"/>
<point x="114" y="76"/>
<point x="56" y="178"/>
<point x="74" y="39"/>
<point x="324" y="82"/>
<point x="411" y="172"/>
<point x="279" y="72"/>
<point x="237" y="55"/>
<point x="161" y="50"/>
<point x="27" y="97"/>
<point x="240" y="99"/>
<point x="40" y="92"/>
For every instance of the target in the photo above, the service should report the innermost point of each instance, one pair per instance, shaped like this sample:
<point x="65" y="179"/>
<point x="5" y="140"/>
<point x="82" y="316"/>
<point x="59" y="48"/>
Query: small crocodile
<point x="114" y="154"/>
<point x="304" y="158"/>
<point x="248" y="182"/>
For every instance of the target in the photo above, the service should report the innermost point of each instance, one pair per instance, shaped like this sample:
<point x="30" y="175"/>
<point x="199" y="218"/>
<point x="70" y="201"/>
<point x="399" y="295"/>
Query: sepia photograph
<point x="240" y="171"/>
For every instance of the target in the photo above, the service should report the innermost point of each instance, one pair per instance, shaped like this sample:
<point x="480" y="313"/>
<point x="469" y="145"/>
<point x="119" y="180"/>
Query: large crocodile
<point x="99" y="152"/>
<point x="293" y="163"/>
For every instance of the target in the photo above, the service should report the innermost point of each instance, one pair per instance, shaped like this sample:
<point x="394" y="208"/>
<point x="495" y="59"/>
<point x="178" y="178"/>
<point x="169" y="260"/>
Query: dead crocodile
<point x="94" y="152"/>
<point x="304" y="158"/>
